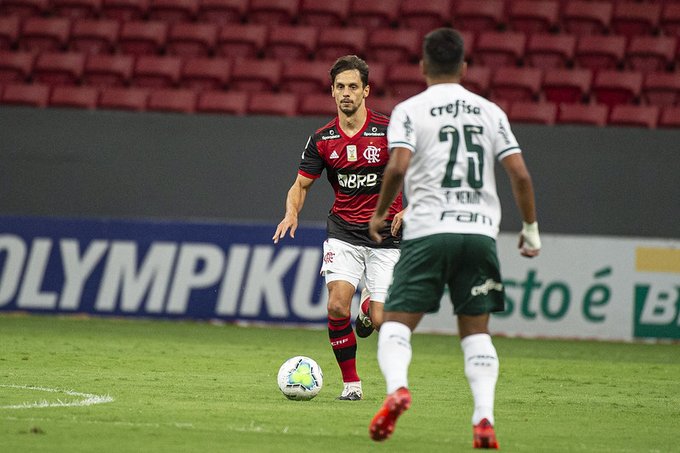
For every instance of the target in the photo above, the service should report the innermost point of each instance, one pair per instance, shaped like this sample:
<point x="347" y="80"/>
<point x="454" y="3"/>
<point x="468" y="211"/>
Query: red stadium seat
<point x="143" y="37"/>
<point x="94" y="36"/>
<point x="115" y="98"/>
<point x="376" y="78"/>
<point x="108" y="70"/>
<point x="661" y="88"/>
<point x="283" y="104"/>
<point x="24" y="8"/>
<point x="515" y="84"/>
<point x="170" y="100"/>
<point x="336" y="41"/>
<point x="191" y="39"/>
<point x="173" y="11"/>
<point x="56" y="68"/>
<point x="272" y="11"/>
<point x="288" y="42"/>
<point x="306" y="77"/>
<point x="404" y="80"/>
<point x="156" y="72"/>
<point x="477" y="79"/>
<point x="567" y="85"/>
<point x="255" y="75"/>
<point x="374" y="14"/>
<point x="221" y="12"/>
<point x="425" y="15"/>
<point x="45" y="34"/>
<point x="616" y="87"/>
<point x="633" y="19"/>
<point x="9" y="31"/>
<point x="322" y="13"/>
<point x="16" y="66"/>
<point x="651" y="53"/>
<point x="241" y="40"/>
<point x="34" y="95"/>
<point x="125" y="10"/>
<point x="533" y="16"/>
<point x="499" y="48"/>
<point x="583" y="114"/>
<point x="76" y="9"/>
<point x="600" y="52"/>
<point x="205" y="73"/>
<point x="476" y="16"/>
<point x="587" y="17"/>
<point x="317" y="104"/>
<point x="670" y="117"/>
<point x="223" y="102"/>
<point x="74" y="97"/>
<point x="391" y="46"/>
<point x="548" y="51"/>
<point x="383" y="104"/>
<point x="670" y="19"/>
<point x="634" y="116"/>
<point x="533" y="112"/>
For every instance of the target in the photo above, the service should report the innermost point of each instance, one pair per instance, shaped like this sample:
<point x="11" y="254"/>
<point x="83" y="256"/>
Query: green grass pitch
<point x="197" y="387"/>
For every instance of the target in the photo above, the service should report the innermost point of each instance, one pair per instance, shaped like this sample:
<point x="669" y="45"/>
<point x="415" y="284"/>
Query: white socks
<point x="481" y="370"/>
<point x="394" y="354"/>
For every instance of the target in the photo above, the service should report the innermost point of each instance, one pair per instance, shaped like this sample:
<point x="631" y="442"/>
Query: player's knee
<point x="338" y="309"/>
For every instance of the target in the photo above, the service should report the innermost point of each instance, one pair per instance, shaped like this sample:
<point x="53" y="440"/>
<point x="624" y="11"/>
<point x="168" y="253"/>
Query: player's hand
<point x="374" y="227"/>
<point x="397" y="222"/>
<point x="286" y="224"/>
<point x="529" y="240"/>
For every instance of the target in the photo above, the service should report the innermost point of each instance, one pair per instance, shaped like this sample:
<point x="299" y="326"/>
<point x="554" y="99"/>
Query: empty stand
<point x="533" y="16"/>
<point x="241" y="40"/>
<point x="616" y="87"/>
<point x="547" y="51"/>
<point x="76" y="9"/>
<point x="255" y="75"/>
<point x="124" y="10"/>
<point x="94" y="36"/>
<point x="45" y="34"/>
<point x="133" y="99"/>
<point x="192" y="39"/>
<point x="651" y="53"/>
<point x="156" y="72"/>
<point x="282" y="104"/>
<point x="499" y="48"/>
<point x="383" y="104"/>
<point x="74" y="97"/>
<point x="56" y="68"/>
<point x="322" y="13"/>
<point x="173" y="11"/>
<point x="533" y="112"/>
<point x="143" y="37"/>
<point x="632" y="19"/>
<point x="335" y="41"/>
<point x="515" y="84"/>
<point x="477" y="79"/>
<point x="634" y="116"/>
<point x="9" y="31"/>
<point x="108" y="70"/>
<point x="661" y="88"/>
<point x="404" y="80"/>
<point x="376" y="78"/>
<point x="205" y="73"/>
<point x="34" y="95"/>
<point x="272" y="11"/>
<point x="425" y="15"/>
<point x="320" y="104"/>
<point x="393" y="45"/>
<point x="306" y="77"/>
<point x="221" y="12"/>
<point x="567" y="85"/>
<point x="587" y="17"/>
<point x="583" y="114"/>
<point x="669" y="22"/>
<point x="15" y="66"/>
<point x="600" y="52"/>
<point x="24" y="8"/>
<point x="473" y="15"/>
<point x="291" y="42"/>
<point x="222" y="102"/>
<point x="375" y="13"/>
<point x="172" y="100"/>
<point x="670" y="117"/>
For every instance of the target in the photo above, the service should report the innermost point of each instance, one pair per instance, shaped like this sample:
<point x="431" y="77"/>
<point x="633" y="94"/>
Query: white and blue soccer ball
<point x="300" y="378"/>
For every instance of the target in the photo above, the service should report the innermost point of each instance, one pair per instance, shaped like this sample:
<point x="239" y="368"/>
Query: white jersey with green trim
<point x="455" y="137"/>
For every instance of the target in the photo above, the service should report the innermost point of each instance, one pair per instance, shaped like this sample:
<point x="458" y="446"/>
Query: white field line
<point x="88" y="399"/>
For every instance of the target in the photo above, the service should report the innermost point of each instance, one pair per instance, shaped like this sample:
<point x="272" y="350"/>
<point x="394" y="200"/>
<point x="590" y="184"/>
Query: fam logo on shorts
<point x="486" y="287"/>
<point x="372" y="154"/>
<point x="328" y="257"/>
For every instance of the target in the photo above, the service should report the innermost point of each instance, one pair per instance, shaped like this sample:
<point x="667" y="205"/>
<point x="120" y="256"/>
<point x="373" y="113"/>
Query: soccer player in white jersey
<point x="444" y="143"/>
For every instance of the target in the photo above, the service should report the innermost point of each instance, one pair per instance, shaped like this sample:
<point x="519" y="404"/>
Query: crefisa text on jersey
<point x="460" y="106"/>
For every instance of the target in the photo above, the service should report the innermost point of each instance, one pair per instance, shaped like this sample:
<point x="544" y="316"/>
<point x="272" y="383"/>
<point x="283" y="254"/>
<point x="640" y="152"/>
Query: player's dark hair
<point x="347" y="63"/>
<point x="443" y="52"/>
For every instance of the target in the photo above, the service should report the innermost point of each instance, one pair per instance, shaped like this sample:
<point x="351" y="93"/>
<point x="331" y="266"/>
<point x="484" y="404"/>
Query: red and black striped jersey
<point x="354" y="167"/>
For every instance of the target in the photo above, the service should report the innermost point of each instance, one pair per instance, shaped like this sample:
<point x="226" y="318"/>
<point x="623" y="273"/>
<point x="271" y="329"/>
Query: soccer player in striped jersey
<point x="352" y="148"/>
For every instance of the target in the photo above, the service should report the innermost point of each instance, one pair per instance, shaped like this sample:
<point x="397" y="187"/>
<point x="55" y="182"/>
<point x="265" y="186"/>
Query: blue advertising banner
<point x="164" y="269"/>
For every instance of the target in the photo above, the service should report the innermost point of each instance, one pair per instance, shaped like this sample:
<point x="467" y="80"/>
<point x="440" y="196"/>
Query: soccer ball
<point x="300" y="378"/>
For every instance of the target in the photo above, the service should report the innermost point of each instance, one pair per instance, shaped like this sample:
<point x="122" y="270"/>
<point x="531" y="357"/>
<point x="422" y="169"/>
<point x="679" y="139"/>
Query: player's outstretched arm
<point x="523" y="191"/>
<point x="295" y="200"/>
<point x="391" y="185"/>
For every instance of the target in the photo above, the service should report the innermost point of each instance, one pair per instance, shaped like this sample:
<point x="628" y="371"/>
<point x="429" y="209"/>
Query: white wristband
<point x="532" y="240"/>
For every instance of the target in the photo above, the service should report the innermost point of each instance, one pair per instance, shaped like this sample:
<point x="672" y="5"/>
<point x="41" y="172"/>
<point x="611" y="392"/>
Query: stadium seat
<point x="16" y="66"/>
<point x="44" y="33"/>
<point x="31" y="95"/>
<point x="391" y="46"/>
<point x="282" y="104"/>
<point x="255" y="75"/>
<point x="669" y="23"/>
<point x="241" y="40"/>
<point x="94" y="36"/>
<point x="476" y="16"/>
<point x="634" y="116"/>
<point x="317" y="104"/>
<point x="567" y="85"/>
<point x="76" y="9"/>
<point x="24" y="8"/>
<point x="125" y="10"/>
<point x="404" y="80"/>
<point x="188" y="39"/>
<point x="74" y="97"/>
<point x="116" y="98"/>
<point x="143" y="37"/>
<point x="288" y="42"/>
<point x="548" y="51"/>
<point x="203" y="74"/>
<point x="9" y="31"/>
<point x="173" y="11"/>
<point x="515" y="84"/>
<point x="533" y="112"/>
<point x="616" y="87"/>
<point x="306" y="77"/>
<point x="587" y="17"/>
<point x="172" y="100"/>
<point x="499" y="48"/>
<point x="424" y="15"/>
<point x="533" y="16"/>
<point x="670" y="117"/>
<point x="152" y="71"/>
<point x="583" y="114"/>
<point x="221" y="12"/>
<point x="374" y="14"/>
<point x="322" y="13"/>
<point x="56" y="68"/>
<point x="270" y="12"/>
<point x="336" y="41"/>
<point x="661" y="88"/>
<point x="383" y="104"/>
<point x="651" y="53"/>
<point x="222" y="102"/>
<point x="477" y="79"/>
<point x="108" y="70"/>
<point x="633" y="19"/>
<point x="600" y="52"/>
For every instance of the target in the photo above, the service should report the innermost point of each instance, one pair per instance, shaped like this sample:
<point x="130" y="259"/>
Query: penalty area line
<point x="86" y="399"/>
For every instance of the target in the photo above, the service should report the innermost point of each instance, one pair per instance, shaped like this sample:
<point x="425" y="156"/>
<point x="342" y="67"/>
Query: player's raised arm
<point x="523" y="191"/>
<point x="295" y="200"/>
